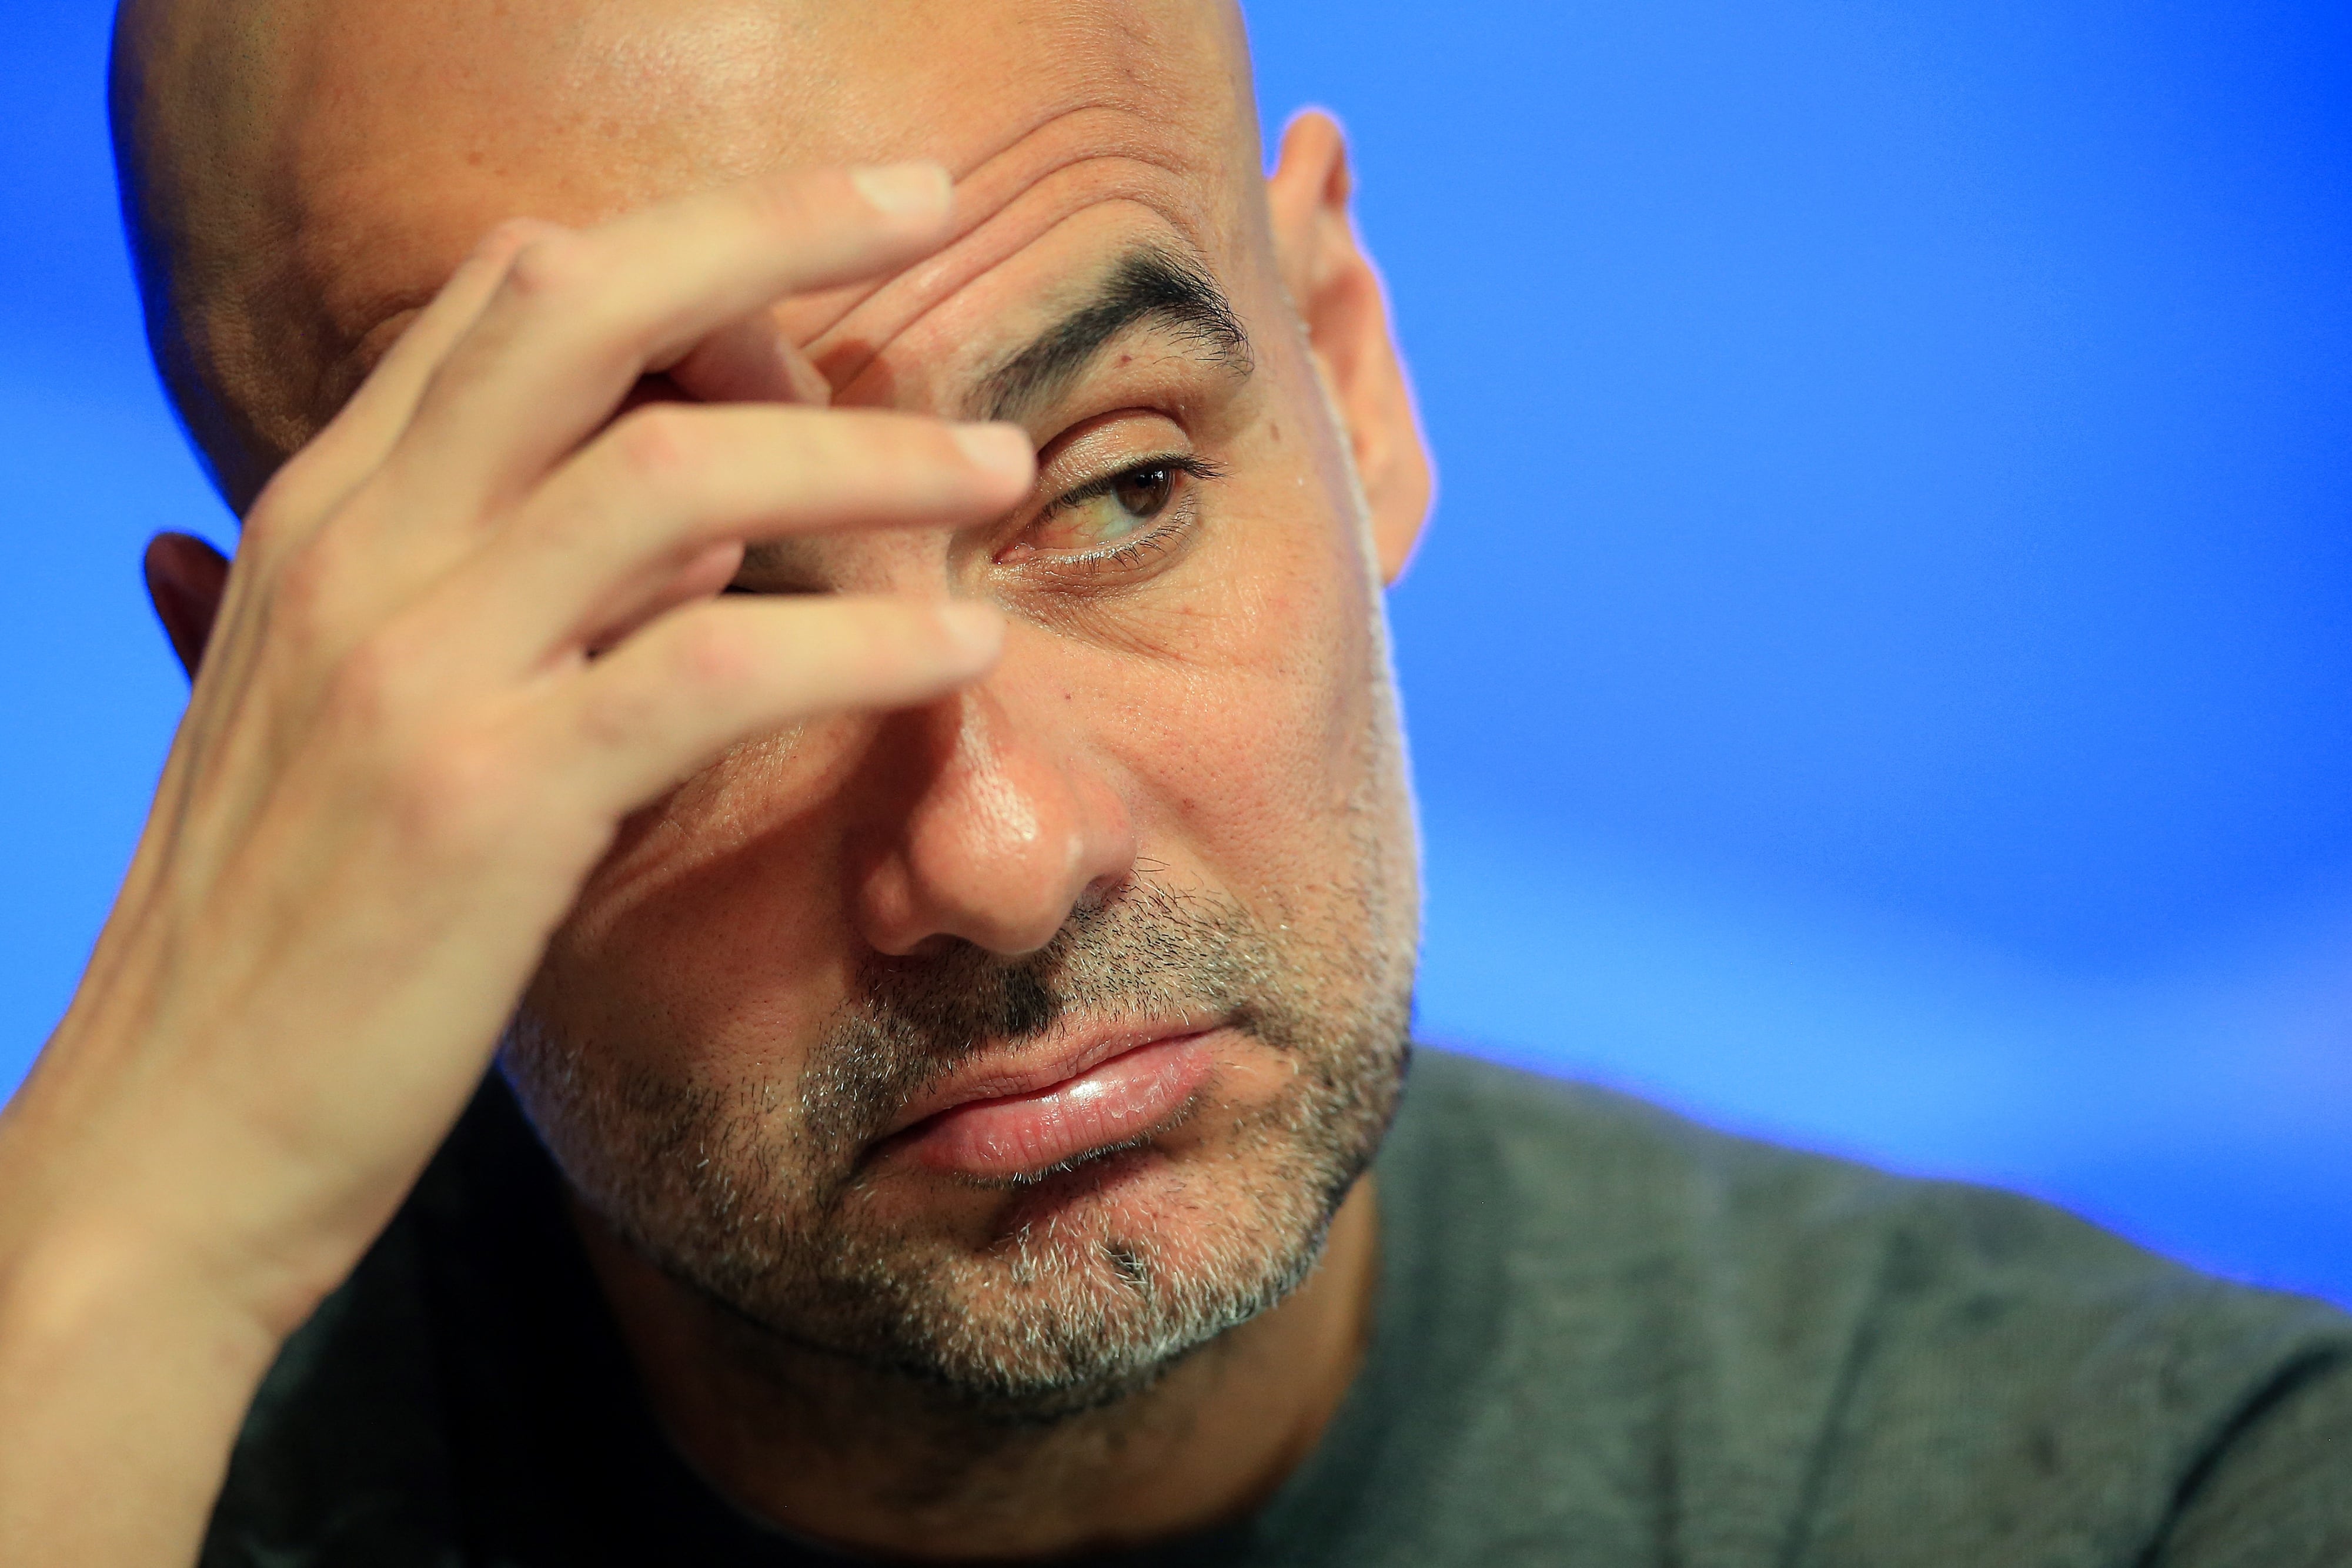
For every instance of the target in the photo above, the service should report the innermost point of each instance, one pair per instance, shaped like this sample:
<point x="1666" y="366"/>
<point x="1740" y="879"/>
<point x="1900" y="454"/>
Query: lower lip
<point x="1024" y="1135"/>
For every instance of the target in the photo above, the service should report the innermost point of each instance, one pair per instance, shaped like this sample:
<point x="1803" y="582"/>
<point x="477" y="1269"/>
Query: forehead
<point x="422" y="124"/>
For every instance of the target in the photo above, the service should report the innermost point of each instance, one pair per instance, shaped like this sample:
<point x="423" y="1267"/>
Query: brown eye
<point x="1151" y="499"/>
<point x="1142" y="493"/>
<point x="1109" y="511"/>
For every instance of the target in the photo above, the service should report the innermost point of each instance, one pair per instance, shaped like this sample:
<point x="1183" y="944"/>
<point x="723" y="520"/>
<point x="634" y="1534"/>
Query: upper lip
<point x="994" y="1075"/>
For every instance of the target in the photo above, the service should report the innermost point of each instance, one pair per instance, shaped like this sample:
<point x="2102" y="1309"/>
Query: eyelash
<point x="1129" y="554"/>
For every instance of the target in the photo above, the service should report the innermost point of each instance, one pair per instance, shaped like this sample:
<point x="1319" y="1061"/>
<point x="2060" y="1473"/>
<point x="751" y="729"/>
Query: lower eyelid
<point x="1111" y="558"/>
<point x="1179" y="519"/>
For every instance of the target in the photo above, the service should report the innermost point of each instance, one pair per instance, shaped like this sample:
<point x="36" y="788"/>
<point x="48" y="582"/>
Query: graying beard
<point x="695" y="1185"/>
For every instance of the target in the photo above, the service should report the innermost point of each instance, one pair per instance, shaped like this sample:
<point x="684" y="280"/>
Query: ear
<point x="1339" y="297"/>
<point x="185" y="580"/>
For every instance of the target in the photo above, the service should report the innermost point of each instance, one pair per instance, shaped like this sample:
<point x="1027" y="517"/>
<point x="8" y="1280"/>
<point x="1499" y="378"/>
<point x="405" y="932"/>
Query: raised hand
<point x="469" y="627"/>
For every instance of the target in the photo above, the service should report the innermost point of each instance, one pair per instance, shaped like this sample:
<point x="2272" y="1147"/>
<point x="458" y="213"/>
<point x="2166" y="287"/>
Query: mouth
<point x="1005" y="1118"/>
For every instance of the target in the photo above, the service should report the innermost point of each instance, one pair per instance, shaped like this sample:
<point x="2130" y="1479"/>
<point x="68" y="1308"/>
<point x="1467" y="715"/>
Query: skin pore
<point x="1176" y="803"/>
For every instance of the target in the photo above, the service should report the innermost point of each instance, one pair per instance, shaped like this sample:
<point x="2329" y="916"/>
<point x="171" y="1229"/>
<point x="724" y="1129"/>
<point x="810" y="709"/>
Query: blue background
<point x="1880" y="673"/>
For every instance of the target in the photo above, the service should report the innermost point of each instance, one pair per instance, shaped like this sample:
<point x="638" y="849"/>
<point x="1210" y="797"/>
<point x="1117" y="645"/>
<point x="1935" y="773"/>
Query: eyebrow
<point x="1147" y="285"/>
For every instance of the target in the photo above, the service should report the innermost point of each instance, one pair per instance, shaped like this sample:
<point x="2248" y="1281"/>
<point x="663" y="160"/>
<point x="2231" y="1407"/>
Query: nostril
<point x="1019" y="933"/>
<point x="987" y="831"/>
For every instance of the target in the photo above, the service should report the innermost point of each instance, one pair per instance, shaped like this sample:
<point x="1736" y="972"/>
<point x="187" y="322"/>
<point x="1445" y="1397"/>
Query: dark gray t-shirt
<point x="1605" y="1336"/>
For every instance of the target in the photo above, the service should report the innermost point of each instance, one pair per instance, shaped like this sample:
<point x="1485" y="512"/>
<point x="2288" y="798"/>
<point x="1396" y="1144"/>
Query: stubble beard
<point x="750" y="1192"/>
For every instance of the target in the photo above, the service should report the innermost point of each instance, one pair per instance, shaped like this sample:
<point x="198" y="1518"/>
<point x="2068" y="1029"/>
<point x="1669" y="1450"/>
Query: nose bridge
<point x="1000" y="830"/>
<point x="997" y="792"/>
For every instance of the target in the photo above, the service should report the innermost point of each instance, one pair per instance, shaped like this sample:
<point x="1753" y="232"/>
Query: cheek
<point x="710" y="938"/>
<point x="717" y="936"/>
<point x="1250" y="747"/>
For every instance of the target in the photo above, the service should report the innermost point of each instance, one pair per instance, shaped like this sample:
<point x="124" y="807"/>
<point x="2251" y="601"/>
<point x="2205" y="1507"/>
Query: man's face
<point x="1174" y="811"/>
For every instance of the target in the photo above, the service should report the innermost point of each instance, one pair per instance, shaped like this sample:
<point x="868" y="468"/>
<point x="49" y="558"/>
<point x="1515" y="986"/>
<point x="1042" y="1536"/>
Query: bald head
<point x="196" y="99"/>
<point x="299" y="175"/>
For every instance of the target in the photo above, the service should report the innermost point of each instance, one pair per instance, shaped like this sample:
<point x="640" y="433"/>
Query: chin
<point x="1034" y="1290"/>
<point x="1028" y="1301"/>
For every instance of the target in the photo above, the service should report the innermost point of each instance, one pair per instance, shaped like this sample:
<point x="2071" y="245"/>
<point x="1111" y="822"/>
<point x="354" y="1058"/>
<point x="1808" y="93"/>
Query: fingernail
<point x="904" y="190"/>
<point x="975" y="630"/>
<point x="998" y="447"/>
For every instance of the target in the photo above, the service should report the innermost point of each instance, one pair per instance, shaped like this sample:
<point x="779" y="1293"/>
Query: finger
<point x="579" y="317"/>
<point x="711" y="676"/>
<point x="316" y="481"/>
<point x="707" y="571"/>
<point x="750" y="360"/>
<point x="355" y="442"/>
<point x="620" y="520"/>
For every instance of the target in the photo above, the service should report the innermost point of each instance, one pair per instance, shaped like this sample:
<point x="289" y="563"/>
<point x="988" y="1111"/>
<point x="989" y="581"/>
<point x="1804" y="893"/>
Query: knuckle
<point x="506" y="240"/>
<point x="454" y="795"/>
<point x="552" y="264"/>
<point x="305" y="487"/>
<point x="658" y="441"/>
<point x="616" y="720"/>
<point x="697" y="657"/>
<point x="707" y="652"/>
<point x="274" y="513"/>
<point x="364" y="695"/>
<point x="307" y="597"/>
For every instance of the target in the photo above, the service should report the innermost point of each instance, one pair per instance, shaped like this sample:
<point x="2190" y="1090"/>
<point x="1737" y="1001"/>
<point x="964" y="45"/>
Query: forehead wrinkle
<point x="851" y="357"/>
<point x="978" y="202"/>
<point x="1088" y="170"/>
<point x="855" y="323"/>
<point x="890" y="90"/>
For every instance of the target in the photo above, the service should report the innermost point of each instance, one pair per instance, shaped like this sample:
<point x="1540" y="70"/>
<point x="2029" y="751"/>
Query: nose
<point x="982" y="827"/>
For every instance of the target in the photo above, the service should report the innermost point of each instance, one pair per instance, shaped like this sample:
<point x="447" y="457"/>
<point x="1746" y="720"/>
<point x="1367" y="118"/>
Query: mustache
<point x="1140" y="952"/>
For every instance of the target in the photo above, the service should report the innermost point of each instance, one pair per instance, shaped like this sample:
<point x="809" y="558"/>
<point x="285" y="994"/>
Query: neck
<point x="875" y="1463"/>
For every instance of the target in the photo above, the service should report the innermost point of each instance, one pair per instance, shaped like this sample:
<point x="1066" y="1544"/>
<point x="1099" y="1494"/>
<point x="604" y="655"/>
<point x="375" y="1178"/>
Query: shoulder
<point x="364" y="1439"/>
<point x="1582" y="1182"/>
<point x="1860" y="1367"/>
<point x="341" y="1457"/>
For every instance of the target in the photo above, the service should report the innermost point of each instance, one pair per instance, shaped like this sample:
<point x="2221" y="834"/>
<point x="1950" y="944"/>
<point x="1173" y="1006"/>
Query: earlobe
<point x="1345" y="310"/>
<point x="185" y="580"/>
